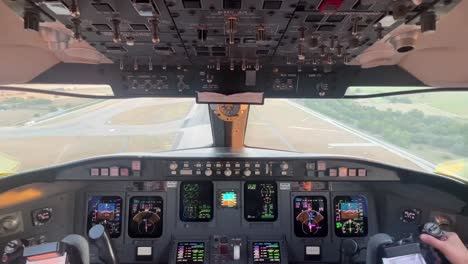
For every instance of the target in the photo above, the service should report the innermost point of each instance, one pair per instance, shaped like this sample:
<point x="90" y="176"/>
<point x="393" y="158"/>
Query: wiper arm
<point x="416" y="91"/>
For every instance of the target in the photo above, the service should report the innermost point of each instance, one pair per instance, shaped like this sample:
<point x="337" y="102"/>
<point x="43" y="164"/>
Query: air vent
<point x="218" y="49"/>
<point x="272" y="4"/>
<point x="103" y="7"/>
<point x="102" y="27"/>
<point x="262" y="52"/>
<point x="360" y="6"/>
<point x="219" y="54"/>
<point x="139" y="27"/>
<point x="202" y="49"/>
<point x="191" y="3"/>
<point x="335" y="18"/>
<point x="232" y="4"/>
<point x="203" y="54"/>
<point x="326" y="28"/>
<point x="314" y="18"/>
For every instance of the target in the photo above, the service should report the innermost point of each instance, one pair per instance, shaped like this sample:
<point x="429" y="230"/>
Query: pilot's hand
<point x="452" y="248"/>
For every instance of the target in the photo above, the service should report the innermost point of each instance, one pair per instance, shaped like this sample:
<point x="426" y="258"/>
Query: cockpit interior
<point x="233" y="131"/>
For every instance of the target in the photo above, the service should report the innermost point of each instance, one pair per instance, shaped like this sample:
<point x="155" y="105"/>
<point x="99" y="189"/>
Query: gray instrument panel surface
<point x="386" y="188"/>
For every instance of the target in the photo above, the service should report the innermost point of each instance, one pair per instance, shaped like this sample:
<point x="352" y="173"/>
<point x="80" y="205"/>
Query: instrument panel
<point x="318" y="202"/>
<point x="209" y="221"/>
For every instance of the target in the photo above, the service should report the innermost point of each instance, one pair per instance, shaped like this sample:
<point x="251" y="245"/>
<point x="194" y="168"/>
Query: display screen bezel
<point x="97" y="198"/>
<point x="182" y="206"/>
<point x="252" y="248"/>
<point x="325" y="220"/>
<point x="350" y="198"/>
<point x="180" y="243"/>
<point x="130" y="203"/>
<point x="248" y="202"/>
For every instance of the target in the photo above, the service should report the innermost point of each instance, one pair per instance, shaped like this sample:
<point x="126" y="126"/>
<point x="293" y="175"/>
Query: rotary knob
<point x="208" y="172"/>
<point x="173" y="166"/>
<point x="227" y="172"/>
<point x="247" y="172"/>
<point x="284" y="166"/>
<point x="10" y="223"/>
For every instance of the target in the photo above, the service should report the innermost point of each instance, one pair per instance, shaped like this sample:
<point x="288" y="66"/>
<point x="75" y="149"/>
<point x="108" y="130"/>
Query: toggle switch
<point x="236" y="252"/>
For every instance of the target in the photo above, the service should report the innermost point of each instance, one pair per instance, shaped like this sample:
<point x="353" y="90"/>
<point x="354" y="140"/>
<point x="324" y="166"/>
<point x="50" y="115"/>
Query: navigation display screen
<point x="351" y="216"/>
<point x="196" y="201"/>
<point x="266" y="252"/>
<point x="145" y="217"/>
<point x="190" y="252"/>
<point x="310" y="216"/>
<point x="106" y="210"/>
<point x="261" y="201"/>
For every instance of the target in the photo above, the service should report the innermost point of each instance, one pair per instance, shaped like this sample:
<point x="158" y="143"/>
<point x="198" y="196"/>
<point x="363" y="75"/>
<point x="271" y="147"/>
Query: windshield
<point x="39" y="130"/>
<point x="426" y="132"/>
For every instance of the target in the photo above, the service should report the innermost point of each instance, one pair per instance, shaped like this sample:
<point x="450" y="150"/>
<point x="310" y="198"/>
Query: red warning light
<point x="330" y="6"/>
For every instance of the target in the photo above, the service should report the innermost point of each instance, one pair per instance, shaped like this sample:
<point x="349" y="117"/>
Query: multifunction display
<point x="190" y="252"/>
<point x="310" y="216"/>
<point x="266" y="252"/>
<point x="196" y="201"/>
<point x="106" y="210"/>
<point x="351" y="216"/>
<point x="145" y="217"/>
<point x="261" y="201"/>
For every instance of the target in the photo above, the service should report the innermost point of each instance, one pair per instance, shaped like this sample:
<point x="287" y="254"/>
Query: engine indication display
<point x="310" y="216"/>
<point x="228" y="199"/>
<point x="145" y="217"/>
<point x="261" y="201"/>
<point x="196" y="201"/>
<point x="351" y="216"/>
<point x="190" y="252"/>
<point x="106" y="210"/>
<point x="266" y="252"/>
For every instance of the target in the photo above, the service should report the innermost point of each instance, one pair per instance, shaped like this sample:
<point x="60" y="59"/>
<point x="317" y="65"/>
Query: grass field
<point x="440" y="103"/>
<point x="7" y="164"/>
<point x="48" y="151"/>
<point x="12" y="114"/>
<point x="154" y="114"/>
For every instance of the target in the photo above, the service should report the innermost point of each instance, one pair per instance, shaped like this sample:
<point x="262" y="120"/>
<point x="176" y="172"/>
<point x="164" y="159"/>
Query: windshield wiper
<point x="416" y="91"/>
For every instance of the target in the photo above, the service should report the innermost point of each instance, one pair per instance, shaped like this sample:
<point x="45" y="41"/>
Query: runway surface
<point x="279" y="124"/>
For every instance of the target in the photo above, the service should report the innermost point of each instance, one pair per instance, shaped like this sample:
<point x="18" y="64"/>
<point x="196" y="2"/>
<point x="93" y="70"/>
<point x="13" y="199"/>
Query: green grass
<point x="8" y="165"/>
<point x="454" y="102"/>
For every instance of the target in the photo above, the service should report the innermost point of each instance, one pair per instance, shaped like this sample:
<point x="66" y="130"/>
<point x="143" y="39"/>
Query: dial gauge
<point x="41" y="216"/>
<point x="230" y="112"/>
<point x="410" y="215"/>
<point x="351" y="227"/>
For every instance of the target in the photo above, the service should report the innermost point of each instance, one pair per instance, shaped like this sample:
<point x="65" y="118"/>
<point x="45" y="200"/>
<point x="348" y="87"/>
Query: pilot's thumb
<point x="432" y="241"/>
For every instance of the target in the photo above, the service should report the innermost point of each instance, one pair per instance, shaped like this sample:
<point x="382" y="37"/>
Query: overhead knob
<point x="260" y="33"/>
<point x="284" y="166"/>
<point x="173" y="166"/>
<point x="116" y="35"/>
<point x="202" y="34"/>
<point x="155" y="31"/>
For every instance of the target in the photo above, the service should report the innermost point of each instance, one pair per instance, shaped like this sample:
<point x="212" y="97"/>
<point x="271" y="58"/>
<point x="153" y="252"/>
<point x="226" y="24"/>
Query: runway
<point x="279" y="124"/>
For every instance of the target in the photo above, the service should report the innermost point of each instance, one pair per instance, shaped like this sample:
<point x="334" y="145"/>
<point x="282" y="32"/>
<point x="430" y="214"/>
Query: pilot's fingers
<point x="433" y="242"/>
